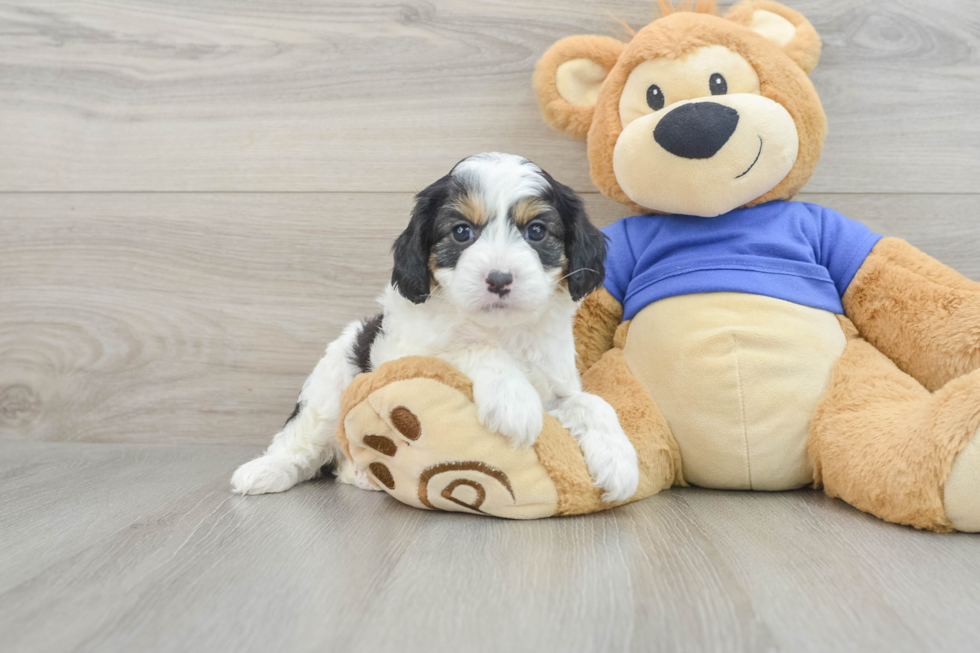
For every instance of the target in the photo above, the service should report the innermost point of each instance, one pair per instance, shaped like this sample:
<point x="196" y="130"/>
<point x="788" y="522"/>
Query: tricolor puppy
<point x="487" y="277"/>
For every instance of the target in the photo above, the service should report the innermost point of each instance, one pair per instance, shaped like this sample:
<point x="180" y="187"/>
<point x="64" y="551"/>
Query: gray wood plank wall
<point x="195" y="196"/>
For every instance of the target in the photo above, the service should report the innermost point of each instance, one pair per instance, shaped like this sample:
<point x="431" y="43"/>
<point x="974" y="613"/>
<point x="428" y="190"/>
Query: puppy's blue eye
<point x="462" y="233"/>
<point x="536" y="232"/>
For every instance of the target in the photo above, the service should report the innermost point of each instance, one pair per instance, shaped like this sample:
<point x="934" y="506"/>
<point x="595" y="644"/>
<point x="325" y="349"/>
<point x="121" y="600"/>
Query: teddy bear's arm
<point x="595" y="327"/>
<point x="920" y="313"/>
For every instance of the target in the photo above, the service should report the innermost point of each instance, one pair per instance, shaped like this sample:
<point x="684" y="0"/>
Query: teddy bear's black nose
<point x="697" y="130"/>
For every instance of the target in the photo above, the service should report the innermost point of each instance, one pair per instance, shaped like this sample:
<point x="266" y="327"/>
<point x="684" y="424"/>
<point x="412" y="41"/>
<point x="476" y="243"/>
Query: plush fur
<point x="561" y="115"/>
<point x="595" y="324"/>
<point x="408" y="367"/>
<point x="803" y="49"/>
<point x="660" y="457"/>
<point x="879" y="439"/>
<point x="781" y="78"/>
<point x="882" y="442"/>
<point x="918" y="312"/>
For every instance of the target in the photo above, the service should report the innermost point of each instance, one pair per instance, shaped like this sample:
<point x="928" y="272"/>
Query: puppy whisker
<point x="577" y="271"/>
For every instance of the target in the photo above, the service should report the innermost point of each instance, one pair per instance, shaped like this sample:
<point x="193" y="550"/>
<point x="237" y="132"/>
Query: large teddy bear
<point x="745" y="341"/>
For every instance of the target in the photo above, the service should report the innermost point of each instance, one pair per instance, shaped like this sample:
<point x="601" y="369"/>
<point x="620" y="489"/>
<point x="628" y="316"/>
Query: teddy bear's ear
<point x="568" y="77"/>
<point x="786" y="28"/>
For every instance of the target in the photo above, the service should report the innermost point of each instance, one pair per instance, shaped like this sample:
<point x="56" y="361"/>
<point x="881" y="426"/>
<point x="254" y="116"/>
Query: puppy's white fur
<point x="517" y="349"/>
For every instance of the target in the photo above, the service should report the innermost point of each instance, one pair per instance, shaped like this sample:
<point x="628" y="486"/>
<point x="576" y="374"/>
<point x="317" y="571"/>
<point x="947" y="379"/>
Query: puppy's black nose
<point x="697" y="130"/>
<point x="498" y="281"/>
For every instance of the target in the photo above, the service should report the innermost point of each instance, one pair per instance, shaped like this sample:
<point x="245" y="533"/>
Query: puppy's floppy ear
<point x="410" y="273"/>
<point x="585" y="245"/>
<point x="783" y="26"/>
<point x="568" y="77"/>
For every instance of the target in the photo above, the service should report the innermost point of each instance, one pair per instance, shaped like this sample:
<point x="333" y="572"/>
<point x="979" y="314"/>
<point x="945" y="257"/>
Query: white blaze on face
<point x="500" y="181"/>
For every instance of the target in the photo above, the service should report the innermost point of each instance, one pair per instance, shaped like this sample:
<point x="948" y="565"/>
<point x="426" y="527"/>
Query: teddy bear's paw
<point x="962" y="489"/>
<point x="427" y="448"/>
<point x="399" y="467"/>
<point x="384" y="445"/>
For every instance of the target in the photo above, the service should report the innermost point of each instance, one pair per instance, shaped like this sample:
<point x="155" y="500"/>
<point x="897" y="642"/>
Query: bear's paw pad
<point x="434" y="454"/>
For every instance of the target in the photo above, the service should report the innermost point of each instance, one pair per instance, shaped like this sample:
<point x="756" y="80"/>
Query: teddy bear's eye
<point x="655" y="97"/>
<point x="717" y="84"/>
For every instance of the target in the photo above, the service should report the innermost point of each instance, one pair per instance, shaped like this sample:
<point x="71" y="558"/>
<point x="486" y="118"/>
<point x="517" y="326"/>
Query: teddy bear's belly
<point x="737" y="377"/>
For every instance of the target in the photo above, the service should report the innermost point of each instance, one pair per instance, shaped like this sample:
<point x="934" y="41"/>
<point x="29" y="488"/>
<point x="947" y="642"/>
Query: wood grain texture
<point x="95" y="560"/>
<point x="194" y="318"/>
<point x="154" y="324"/>
<point x="362" y="95"/>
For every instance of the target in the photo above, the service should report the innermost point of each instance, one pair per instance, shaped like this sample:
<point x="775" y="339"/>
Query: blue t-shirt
<point x="802" y="253"/>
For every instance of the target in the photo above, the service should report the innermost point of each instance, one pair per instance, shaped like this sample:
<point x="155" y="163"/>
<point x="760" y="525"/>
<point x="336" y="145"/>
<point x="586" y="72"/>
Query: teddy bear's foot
<point x="885" y="444"/>
<point x="421" y="441"/>
<point x="962" y="492"/>
<point x="413" y="427"/>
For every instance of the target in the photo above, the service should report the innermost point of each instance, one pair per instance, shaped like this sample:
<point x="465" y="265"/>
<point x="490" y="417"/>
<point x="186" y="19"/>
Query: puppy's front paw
<point x="264" y="475"/>
<point x="611" y="460"/>
<point x="607" y="450"/>
<point x="511" y="408"/>
<point x="346" y="473"/>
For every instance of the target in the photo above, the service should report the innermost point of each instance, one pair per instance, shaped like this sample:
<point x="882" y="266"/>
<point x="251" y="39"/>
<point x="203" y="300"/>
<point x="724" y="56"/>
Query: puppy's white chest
<point x="542" y="350"/>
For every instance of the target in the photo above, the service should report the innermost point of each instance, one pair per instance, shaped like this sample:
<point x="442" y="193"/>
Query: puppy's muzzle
<point x="498" y="282"/>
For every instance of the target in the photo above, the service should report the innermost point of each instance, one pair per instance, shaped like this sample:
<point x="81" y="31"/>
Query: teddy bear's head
<point x="698" y="114"/>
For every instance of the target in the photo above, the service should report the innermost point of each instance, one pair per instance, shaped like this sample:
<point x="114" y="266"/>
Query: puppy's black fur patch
<point x="360" y="354"/>
<point x="411" y="250"/>
<point x="446" y="252"/>
<point x="585" y="245"/>
<point x="296" y="411"/>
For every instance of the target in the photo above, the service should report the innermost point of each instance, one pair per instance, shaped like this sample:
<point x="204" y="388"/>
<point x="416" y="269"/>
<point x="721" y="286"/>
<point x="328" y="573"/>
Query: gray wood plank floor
<point x="196" y="196"/>
<point x="141" y="548"/>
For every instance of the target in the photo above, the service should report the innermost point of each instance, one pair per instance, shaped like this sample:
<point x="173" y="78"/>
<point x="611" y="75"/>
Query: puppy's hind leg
<point x="307" y="441"/>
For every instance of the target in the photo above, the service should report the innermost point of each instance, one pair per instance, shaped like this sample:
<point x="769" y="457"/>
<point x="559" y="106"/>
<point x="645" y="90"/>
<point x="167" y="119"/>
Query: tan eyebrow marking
<point x="470" y="206"/>
<point x="527" y="209"/>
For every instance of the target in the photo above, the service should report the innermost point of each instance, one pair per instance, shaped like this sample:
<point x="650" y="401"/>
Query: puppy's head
<point x="498" y="237"/>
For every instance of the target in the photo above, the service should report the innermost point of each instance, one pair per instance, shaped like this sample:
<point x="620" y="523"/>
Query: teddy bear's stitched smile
<point x="754" y="162"/>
